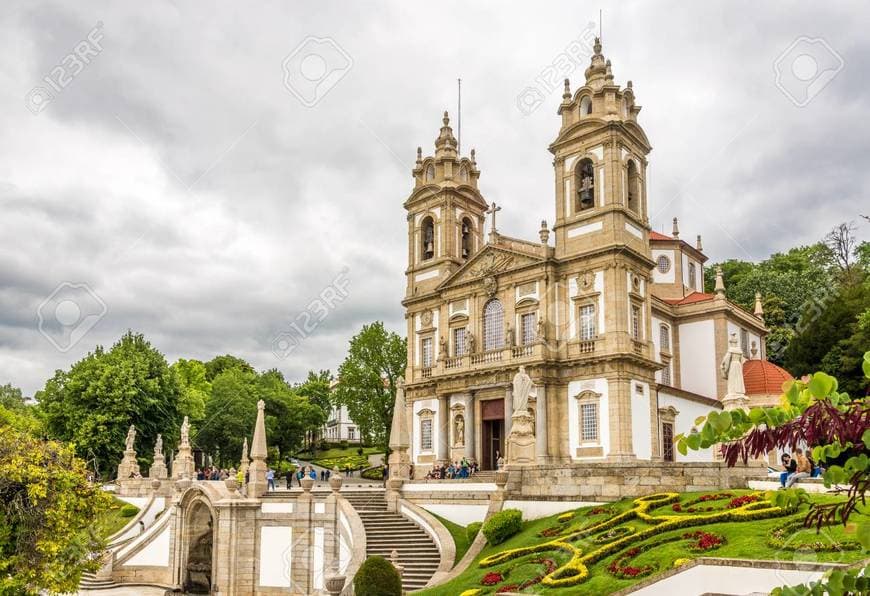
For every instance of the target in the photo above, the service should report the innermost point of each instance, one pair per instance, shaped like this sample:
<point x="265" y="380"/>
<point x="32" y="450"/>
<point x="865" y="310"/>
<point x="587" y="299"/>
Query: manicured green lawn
<point x="742" y="539"/>
<point x="459" y="538"/>
<point x="112" y="521"/>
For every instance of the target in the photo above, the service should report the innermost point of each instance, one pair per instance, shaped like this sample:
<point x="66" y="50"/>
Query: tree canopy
<point x="93" y="403"/>
<point x="367" y="379"/>
<point x="47" y="509"/>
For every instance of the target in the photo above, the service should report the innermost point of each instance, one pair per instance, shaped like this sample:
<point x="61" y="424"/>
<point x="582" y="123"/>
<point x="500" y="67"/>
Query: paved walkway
<point x="353" y="480"/>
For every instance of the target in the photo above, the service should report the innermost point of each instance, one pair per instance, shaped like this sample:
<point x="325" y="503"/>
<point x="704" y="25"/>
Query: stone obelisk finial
<point x="720" y="283"/>
<point x="257" y="471"/>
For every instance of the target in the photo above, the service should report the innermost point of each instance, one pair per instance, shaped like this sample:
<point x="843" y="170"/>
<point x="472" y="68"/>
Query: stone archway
<point x="198" y="569"/>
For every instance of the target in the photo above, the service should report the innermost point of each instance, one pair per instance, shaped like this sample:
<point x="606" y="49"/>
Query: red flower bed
<point x="492" y="578"/>
<point x="677" y="507"/>
<point x="598" y="511"/>
<point x="704" y="540"/>
<point x="741" y="501"/>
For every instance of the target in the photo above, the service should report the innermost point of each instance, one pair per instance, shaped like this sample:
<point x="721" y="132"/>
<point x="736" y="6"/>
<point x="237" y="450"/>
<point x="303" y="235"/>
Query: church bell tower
<point x="446" y="214"/>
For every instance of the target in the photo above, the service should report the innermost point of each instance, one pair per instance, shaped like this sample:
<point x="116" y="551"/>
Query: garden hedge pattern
<point x="576" y="569"/>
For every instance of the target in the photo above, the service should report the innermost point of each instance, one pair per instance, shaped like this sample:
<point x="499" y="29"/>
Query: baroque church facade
<point x="609" y="318"/>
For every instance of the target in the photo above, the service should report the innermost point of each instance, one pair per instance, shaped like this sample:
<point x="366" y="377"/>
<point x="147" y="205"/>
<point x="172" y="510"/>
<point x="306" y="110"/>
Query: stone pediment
<point x="488" y="264"/>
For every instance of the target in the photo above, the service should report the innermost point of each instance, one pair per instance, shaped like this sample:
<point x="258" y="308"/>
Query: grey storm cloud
<point x="206" y="206"/>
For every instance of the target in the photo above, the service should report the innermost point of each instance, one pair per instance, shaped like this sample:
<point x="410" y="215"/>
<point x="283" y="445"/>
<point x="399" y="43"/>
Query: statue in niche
<point x="459" y="431"/>
<point x="509" y="335"/>
<point x="470" y="341"/>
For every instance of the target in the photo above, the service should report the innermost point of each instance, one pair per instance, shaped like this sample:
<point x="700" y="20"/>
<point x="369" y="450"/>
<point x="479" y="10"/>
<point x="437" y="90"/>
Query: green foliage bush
<point x="503" y="525"/>
<point x="471" y="530"/>
<point x="377" y="577"/>
<point x="376" y="473"/>
<point x="343" y="444"/>
<point x="128" y="511"/>
<point x="354" y="462"/>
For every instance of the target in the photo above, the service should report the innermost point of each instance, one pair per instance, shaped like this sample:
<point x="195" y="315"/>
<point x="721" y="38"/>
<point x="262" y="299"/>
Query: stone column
<point x="443" y="429"/>
<point x="470" y="421"/>
<point x="508" y="410"/>
<point x="542" y="454"/>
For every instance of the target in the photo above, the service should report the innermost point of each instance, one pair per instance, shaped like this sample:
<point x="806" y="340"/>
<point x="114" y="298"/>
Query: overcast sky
<point x="168" y="167"/>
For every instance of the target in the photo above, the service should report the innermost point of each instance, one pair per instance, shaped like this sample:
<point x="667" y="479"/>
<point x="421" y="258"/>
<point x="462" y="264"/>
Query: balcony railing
<point x="454" y="362"/>
<point x="490" y="356"/>
<point x="522" y="351"/>
<point x="426" y="372"/>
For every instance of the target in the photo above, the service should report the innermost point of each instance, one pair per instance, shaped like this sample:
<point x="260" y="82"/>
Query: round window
<point x="663" y="263"/>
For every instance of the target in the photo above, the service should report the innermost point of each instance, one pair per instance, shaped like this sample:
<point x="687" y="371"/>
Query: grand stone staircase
<point x="386" y="531"/>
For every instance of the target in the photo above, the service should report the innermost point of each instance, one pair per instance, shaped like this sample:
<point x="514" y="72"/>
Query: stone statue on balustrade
<point x="521" y="440"/>
<point x="731" y="369"/>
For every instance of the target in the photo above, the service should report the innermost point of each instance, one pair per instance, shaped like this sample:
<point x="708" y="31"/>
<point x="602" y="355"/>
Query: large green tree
<point x="219" y="364"/>
<point x="229" y="415"/>
<point x="47" y="509"/>
<point x="93" y="403"/>
<point x="11" y="397"/>
<point x="289" y="415"/>
<point x="367" y="379"/>
<point x="317" y="387"/>
<point x="195" y="389"/>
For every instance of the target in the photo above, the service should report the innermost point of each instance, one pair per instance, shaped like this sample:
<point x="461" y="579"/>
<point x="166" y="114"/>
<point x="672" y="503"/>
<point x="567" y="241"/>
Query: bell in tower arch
<point x="585" y="185"/>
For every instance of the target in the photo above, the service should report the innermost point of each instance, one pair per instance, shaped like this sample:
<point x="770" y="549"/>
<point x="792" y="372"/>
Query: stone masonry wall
<point x="612" y="481"/>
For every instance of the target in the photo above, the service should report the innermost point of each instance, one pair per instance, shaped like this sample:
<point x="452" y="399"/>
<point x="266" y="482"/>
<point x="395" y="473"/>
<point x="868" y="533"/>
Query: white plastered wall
<point x="688" y="411"/>
<point x="698" y="358"/>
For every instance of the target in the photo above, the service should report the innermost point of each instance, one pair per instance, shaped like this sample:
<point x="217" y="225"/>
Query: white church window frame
<point x="663" y="264"/>
<point x="459" y="343"/>
<point x="589" y="418"/>
<point x="528" y="327"/>
<point x="427" y="430"/>
<point x="587" y="319"/>
<point x="493" y="325"/>
<point x="426" y="352"/>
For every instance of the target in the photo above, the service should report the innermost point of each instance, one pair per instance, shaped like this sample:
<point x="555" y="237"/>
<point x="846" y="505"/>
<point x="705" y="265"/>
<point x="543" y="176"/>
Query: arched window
<point x="585" y="106"/>
<point x="584" y="179"/>
<point x="493" y="325"/>
<point x="664" y="338"/>
<point x="428" y="239"/>
<point x="430" y="172"/>
<point x="466" y="245"/>
<point x="633" y="180"/>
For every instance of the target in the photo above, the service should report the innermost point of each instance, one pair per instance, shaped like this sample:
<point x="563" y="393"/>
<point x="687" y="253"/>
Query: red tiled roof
<point x="653" y="235"/>
<point x="690" y="299"/>
<point x="764" y="378"/>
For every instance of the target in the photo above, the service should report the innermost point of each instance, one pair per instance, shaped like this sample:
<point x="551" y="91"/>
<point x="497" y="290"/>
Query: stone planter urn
<point x="307" y="484"/>
<point x="335" y="480"/>
<point x="335" y="584"/>
<point x="155" y="483"/>
<point x="501" y="478"/>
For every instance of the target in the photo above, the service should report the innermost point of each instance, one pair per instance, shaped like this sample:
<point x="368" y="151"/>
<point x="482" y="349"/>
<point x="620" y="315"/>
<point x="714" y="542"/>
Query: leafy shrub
<point x="376" y="473"/>
<point x="377" y="577"/>
<point x="343" y="444"/>
<point x="354" y="462"/>
<point x="128" y="511"/>
<point x="471" y="530"/>
<point x="359" y="450"/>
<point x="503" y="525"/>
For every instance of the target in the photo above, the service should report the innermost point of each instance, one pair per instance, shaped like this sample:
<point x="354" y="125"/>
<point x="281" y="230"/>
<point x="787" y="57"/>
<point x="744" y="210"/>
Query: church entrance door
<point x="492" y="433"/>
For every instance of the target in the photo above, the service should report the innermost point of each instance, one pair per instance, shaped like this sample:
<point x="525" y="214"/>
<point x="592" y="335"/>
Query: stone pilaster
<point x="443" y="456"/>
<point x="542" y="453"/>
<point x="470" y="421"/>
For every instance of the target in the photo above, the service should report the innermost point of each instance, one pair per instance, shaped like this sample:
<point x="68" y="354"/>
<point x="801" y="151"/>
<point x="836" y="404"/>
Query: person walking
<point x="270" y="479"/>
